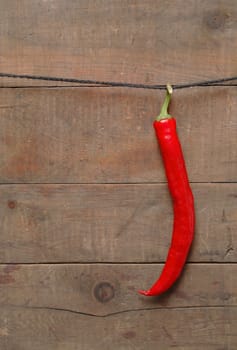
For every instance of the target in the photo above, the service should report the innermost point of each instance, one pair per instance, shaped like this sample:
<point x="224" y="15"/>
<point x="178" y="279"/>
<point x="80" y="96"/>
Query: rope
<point x="204" y="83"/>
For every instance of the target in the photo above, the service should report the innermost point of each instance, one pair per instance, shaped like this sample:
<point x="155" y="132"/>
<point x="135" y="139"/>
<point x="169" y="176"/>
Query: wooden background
<point x="85" y="213"/>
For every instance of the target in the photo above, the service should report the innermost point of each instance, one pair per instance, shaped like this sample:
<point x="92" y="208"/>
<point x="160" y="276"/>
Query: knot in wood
<point x="104" y="292"/>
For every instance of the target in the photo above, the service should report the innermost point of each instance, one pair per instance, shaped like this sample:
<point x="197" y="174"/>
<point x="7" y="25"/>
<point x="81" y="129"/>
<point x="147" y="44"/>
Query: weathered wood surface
<point x="105" y="289"/>
<point x="94" y="306"/>
<point x="111" y="223"/>
<point x="102" y="136"/>
<point x="141" y="41"/>
<point x="106" y="135"/>
<point x="189" y="328"/>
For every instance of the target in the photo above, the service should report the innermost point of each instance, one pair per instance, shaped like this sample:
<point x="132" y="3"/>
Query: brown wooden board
<point x="211" y="328"/>
<point x="106" y="289"/>
<point x="153" y="41"/>
<point x="94" y="306"/>
<point x="85" y="214"/>
<point x="105" y="135"/>
<point x="111" y="223"/>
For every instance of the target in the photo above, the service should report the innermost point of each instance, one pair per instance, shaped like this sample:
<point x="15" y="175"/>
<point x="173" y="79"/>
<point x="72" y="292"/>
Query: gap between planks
<point x="112" y="183"/>
<point x="114" y="263"/>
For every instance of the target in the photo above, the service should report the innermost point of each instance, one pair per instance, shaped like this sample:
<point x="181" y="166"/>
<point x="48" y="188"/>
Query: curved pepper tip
<point x="144" y="292"/>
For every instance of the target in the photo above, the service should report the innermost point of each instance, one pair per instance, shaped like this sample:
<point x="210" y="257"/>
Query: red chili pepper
<point x="183" y="204"/>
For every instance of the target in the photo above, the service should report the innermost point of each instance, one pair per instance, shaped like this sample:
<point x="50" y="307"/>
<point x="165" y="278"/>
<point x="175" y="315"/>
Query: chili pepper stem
<point x="164" y="109"/>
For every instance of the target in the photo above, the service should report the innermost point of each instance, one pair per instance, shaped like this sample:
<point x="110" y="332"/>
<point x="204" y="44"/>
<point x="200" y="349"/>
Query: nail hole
<point x="11" y="204"/>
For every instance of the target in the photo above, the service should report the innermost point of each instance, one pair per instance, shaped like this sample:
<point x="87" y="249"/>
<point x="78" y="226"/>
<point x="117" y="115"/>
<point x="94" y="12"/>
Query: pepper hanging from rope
<point x="183" y="204"/>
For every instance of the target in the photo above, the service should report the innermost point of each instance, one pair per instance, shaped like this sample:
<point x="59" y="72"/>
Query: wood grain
<point x="82" y="181"/>
<point x="209" y="329"/>
<point x="111" y="223"/>
<point x="151" y="41"/>
<point x="107" y="289"/>
<point x="104" y="135"/>
<point x="92" y="306"/>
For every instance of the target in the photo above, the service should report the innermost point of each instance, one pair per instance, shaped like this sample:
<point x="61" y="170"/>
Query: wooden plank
<point x="103" y="135"/>
<point x="151" y="41"/>
<point x="111" y="223"/>
<point x="106" y="289"/>
<point x="188" y="329"/>
<point x="93" y="306"/>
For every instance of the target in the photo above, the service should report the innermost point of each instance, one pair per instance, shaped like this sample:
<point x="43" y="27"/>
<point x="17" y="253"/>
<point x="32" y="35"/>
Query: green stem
<point x="164" y="109"/>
